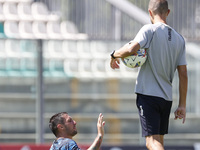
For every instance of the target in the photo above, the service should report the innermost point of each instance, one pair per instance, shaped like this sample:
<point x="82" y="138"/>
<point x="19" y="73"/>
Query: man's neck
<point x="158" y="18"/>
<point x="62" y="137"/>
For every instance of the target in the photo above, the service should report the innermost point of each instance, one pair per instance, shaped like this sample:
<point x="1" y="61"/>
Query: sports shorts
<point x="154" y="114"/>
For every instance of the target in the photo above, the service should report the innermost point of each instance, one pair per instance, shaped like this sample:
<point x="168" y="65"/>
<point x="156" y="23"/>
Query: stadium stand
<point x="78" y="79"/>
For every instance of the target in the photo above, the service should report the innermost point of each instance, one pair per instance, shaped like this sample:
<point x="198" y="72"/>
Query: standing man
<point x="166" y="53"/>
<point x="64" y="128"/>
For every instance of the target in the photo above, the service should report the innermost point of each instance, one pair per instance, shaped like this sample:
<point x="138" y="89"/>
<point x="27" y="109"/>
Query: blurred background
<point x="54" y="57"/>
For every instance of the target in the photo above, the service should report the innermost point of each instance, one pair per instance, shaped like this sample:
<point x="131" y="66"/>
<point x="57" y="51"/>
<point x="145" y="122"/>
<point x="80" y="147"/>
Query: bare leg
<point x="155" y="142"/>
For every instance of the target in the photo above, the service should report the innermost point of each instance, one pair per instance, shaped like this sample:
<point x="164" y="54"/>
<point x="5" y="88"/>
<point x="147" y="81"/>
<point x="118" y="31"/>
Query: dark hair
<point x="158" y="6"/>
<point x="55" y="120"/>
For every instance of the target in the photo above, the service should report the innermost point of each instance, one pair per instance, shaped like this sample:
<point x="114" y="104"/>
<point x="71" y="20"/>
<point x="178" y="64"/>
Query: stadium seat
<point x="28" y="48"/>
<point x="69" y="49"/>
<point x="68" y="27"/>
<point x="40" y="12"/>
<point x="25" y="1"/>
<point x="2" y="59"/>
<point x="11" y="29"/>
<point x="85" y="68"/>
<point x="70" y="31"/>
<point x="24" y="11"/>
<point x="2" y="17"/>
<point x="53" y="30"/>
<point x="10" y="11"/>
<point x="28" y="67"/>
<point x="99" y="49"/>
<point x="98" y="68"/>
<point x="3" y="70"/>
<point x="13" y="1"/>
<point x="25" y="30"/>
<point x="12" y="48"/>
<point x="39" y="30"/>
<point x="53" y="67"/>
<point x="13" y="66"/>
<point x="71" y="67"/>
<point x="2" y="48"/>
<point x="56" y="67"/>
<point x="55" y="49"/>
<point x="84" y="50"/>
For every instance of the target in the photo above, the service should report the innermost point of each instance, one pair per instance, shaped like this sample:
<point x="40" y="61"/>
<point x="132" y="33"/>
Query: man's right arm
<point x="183" y="84"/>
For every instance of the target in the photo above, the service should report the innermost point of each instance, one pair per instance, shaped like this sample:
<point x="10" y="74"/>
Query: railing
<point x="98" y="18"/>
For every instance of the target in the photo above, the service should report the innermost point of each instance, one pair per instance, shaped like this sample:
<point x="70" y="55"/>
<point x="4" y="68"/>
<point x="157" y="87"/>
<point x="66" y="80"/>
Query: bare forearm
<point x="183" y="85"/>
<point x="183" y="94"/>
<point x="127" y="50"/>
<point x="97" y="143"/>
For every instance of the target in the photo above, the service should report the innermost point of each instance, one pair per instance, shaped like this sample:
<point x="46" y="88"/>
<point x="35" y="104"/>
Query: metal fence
<point x="97" y="18"/>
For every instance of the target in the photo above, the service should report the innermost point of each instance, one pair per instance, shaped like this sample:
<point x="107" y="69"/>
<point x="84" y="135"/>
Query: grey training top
<point x="165" y="51"/>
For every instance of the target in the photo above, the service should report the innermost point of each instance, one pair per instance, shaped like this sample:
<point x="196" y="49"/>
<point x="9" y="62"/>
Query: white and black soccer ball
<point x="136" y="60"/>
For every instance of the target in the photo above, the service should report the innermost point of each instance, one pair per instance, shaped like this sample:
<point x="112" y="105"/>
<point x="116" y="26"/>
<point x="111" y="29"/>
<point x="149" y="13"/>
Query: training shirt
<point x="165" y="51"/>
<point x="64" y="144"/>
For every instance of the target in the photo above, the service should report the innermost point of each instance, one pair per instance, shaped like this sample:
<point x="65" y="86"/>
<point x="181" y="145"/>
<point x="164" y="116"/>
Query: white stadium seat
<point x="99" y="68"/>
<point x="39" y="29"/>
<point x="2" y="49"/>
<point x="71" y="67"/>
<point x="85" y="68"/>
<point x="69" y="48"/>
<point x="13" y="1"/>
<point x="13" y="48"/>
<point x="53" y="30"/>
<point x="84" y="50"/>
<point x="25" y="1"/>
<point x="54" y="49"/>
<point x="99" y="49"/>
<point x="25" y="30"/>
<point x="11" y="29"/>
<point x="40" y="12"/>
<point x="70" y="31"/>
<point x="10" y="11"/>
<point x="2" y="17"/>
<point x="24" y="11"/>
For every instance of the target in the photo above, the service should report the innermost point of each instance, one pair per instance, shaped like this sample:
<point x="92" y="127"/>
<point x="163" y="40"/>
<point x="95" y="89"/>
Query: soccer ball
<point x="136" y="60"/>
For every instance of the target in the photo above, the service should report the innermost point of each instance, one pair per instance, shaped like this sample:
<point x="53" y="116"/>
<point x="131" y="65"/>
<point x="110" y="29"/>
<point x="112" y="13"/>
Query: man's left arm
<point x="183" y="84"/>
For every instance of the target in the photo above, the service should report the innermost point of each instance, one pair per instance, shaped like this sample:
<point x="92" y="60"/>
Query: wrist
<point x="112" y="54"/>
<point x="100" y="135"/>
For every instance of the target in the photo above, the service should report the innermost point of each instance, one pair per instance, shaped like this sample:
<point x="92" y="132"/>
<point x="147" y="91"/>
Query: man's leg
<point x="155" y="142"/>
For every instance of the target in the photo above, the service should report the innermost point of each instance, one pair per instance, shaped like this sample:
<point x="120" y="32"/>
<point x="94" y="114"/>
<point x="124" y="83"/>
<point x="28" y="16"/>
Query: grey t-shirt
<point x="165" y="51"/>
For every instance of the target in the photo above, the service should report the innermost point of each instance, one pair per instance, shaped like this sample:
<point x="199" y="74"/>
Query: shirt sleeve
<point x="182" y="57"/>
<point x="144" y="36"/>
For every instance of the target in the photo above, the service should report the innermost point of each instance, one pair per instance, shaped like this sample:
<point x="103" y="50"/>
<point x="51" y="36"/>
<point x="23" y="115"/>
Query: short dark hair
<point x="55" y="120"/>
<point x="158" y="6"/>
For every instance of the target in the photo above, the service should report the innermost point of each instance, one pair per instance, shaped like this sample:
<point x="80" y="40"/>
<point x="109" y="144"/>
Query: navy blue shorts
<point x="154" y="114"/>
